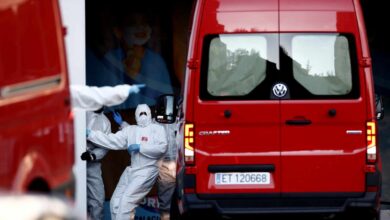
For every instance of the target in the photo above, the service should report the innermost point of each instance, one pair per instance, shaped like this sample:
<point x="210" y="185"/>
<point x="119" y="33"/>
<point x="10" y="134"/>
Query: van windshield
<point x="247" y="66"/>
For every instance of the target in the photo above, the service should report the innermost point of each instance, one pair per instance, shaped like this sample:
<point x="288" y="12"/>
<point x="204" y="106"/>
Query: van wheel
<point x="371" y="215"/>
<point x="366" y="214"/>
<point x="175" y="213"/>
<point x="39" y="185"/>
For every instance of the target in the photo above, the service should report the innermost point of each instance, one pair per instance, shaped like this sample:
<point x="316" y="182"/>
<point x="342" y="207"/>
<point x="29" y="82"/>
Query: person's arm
<point x="123" y="125"/>
<point x="119" y="121"/>
<point x="117" y="141"/>
<point x="99" y="152"/>
<point x="93" y="98"/>
<point x="159" y="146"/>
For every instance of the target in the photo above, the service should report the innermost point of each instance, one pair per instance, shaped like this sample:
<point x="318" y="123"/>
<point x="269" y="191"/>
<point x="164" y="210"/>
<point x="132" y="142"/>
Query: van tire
<point x="39" y="185"/>
<point x="174" y="212"/>
<point x="366" y="214"/>
<point x="371" y="215"/>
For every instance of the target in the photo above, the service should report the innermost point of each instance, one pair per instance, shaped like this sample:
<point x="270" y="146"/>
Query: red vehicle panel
<point x="36" y="124"/>
<point x="278" y="109"/>
<point x="242" y="145"/>
<point x="323" y="157"/>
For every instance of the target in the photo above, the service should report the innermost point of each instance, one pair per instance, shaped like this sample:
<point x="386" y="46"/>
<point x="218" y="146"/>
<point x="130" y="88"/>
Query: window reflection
<point x="236" y="64"/>
<point x="322" y="64"/>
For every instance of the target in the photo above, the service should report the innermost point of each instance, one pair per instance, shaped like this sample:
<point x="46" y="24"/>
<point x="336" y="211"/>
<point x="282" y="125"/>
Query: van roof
<point x="224" y="16"/>
<point x="272" y="5"/>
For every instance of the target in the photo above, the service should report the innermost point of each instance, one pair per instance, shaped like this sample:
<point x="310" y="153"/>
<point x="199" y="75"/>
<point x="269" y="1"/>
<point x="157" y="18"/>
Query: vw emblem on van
<point x="279" y="90"/>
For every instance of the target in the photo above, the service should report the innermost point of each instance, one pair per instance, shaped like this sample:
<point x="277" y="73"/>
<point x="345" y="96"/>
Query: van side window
<point x="322" y="64"/>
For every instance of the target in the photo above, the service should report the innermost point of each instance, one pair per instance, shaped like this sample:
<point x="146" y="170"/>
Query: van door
<point x="236" y="123"/>
<point x="323" y="120"/>
<point x="35" y="115"/>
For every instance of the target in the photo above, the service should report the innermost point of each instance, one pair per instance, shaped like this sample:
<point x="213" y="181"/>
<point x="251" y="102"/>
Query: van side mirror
<point x="380" y="112"/>
<point x="166" y="109"/>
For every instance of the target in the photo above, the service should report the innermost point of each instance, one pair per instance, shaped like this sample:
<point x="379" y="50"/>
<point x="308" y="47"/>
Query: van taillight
<point x="189" y="143"/>
<point x="371" y="142"/>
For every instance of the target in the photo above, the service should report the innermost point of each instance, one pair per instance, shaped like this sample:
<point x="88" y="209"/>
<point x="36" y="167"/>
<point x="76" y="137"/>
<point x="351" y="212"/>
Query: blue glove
<point x="133" y="148"/>
<point x="135" y="88"/>
<point x="117" y="117"/>
<point x="88" y="131"/>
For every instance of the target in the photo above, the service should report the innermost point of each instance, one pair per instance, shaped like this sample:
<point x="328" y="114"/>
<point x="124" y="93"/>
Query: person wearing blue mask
<point x="142" y="64"/>
<point x="146" y="142"/>
<point x="131" y="62"/>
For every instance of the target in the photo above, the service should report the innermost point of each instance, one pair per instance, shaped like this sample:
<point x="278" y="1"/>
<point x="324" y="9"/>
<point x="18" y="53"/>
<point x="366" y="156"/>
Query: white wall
<point x="73" y="18"/>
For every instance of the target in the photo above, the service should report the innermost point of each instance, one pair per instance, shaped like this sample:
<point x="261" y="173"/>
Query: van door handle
<point x="298" y="122"/>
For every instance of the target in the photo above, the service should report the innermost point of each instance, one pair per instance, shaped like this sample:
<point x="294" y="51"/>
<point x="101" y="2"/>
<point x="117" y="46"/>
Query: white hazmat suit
<point x="95" y="185"/>
<point x="138" y="178"/>
<point x="92" y="98"/>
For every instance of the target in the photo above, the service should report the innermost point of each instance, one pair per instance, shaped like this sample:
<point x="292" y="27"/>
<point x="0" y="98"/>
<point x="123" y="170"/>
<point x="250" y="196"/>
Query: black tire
<point x="364" y="214"/>
<point x="174" y="212"/>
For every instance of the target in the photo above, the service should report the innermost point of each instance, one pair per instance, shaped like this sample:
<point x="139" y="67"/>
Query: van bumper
<point x="280" y="203"/>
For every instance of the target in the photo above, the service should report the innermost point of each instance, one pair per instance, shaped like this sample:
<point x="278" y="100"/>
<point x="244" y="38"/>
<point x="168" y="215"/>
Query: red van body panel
<point x="36" y="124"/>
<point x="338" y="160"/>
<point x="323" y="158"/>
<point x="300" y="136"/>
<point x="251" y="139"/>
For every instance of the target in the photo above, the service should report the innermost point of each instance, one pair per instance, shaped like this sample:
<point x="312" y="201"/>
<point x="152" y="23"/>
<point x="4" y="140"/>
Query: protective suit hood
<point x="143" y="115"/>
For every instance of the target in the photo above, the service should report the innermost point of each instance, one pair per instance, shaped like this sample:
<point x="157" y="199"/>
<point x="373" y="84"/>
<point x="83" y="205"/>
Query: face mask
<point x="132" y="35"/>
<point x="143" y="120"/>
<point x="143" y="115"/>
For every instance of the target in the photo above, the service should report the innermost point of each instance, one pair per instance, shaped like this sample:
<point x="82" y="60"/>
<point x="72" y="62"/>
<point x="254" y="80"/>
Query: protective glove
<point x="117" y="117"/>
<point x="88" y="132"/>
<point x="133" y="148"/>
<point x="88" y="156"/>
<point x="135" y="88"/>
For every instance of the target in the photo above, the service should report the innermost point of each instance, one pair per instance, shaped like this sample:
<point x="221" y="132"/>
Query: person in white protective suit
<point x="92" y="98"/>
<point x="95" y="187"/>
<point x="147" y="143"/>
<point x="167" y="173"/>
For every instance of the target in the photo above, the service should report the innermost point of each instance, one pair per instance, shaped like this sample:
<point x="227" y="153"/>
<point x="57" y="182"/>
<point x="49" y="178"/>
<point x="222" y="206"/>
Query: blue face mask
<point x="132" y="35"/>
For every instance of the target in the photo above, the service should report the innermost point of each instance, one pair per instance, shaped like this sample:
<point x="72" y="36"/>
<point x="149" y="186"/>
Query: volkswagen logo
<point x="279" y="90"/>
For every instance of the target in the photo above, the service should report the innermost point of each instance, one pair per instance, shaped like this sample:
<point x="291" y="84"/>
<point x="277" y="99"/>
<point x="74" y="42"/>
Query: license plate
<point x="242" y="178"/>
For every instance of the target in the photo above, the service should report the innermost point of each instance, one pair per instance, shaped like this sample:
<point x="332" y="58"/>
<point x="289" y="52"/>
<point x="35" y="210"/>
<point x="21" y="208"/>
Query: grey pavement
<point x="385" y="215"/>
<point x="384" y="143"/>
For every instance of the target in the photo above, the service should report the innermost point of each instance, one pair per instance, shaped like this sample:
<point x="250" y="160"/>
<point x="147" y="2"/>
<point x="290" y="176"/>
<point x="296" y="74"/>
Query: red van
<point x="36" y="124"/>
<point x="278" y="111"/>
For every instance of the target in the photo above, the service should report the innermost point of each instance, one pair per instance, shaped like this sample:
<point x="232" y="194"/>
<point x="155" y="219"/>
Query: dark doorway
<point x="377" y="18"/>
